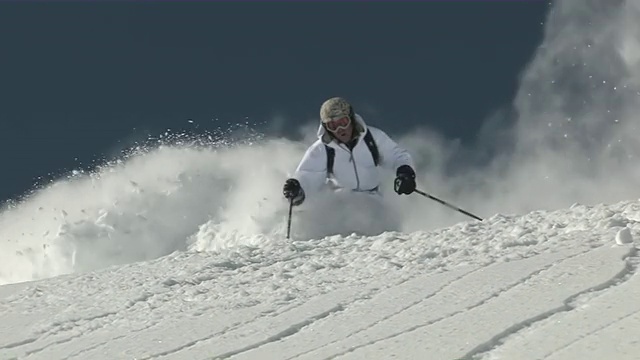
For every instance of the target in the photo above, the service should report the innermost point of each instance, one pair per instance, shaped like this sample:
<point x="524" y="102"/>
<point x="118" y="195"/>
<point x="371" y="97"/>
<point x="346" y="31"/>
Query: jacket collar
<point x="325" y="136"/>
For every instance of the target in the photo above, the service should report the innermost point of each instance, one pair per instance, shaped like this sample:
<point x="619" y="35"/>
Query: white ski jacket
<point x="353" y="170"/>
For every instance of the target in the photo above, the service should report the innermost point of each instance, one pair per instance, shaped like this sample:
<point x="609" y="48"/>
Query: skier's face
<point x="341" y="128"/>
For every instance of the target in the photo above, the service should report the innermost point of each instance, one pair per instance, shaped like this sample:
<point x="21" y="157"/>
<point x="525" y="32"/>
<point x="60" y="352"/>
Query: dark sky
<point x="80" y="79"/>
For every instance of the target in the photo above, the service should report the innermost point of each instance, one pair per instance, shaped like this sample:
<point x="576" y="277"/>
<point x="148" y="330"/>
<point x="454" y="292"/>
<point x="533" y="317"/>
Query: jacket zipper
<point x="355" y="169"/>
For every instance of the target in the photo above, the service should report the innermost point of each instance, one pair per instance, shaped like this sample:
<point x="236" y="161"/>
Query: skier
<point x="346" y="156"/>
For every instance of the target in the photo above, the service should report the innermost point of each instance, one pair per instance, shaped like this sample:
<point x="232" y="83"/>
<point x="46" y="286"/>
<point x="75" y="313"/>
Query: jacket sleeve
<point x="312" y="169"/>
<point x="392" y="155"/>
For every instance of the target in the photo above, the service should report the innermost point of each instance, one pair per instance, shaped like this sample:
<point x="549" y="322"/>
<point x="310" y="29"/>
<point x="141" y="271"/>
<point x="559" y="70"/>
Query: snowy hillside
<point x="544" y="286"/>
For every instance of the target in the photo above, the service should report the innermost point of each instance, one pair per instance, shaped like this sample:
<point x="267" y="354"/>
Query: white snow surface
<point x="546" y="285"/>
<point x="179" y="251"/>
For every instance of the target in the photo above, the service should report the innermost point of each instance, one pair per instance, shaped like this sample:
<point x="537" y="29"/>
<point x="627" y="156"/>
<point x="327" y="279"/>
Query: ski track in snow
<point x="604" y="300"/>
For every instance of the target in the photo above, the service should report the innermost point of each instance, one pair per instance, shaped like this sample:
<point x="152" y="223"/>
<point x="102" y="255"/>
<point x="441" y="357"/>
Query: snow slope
<point x="548" y="285"/>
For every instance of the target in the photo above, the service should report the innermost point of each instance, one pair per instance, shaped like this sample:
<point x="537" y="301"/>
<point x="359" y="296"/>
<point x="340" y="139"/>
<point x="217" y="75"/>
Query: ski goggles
<point x="336" y="124"/>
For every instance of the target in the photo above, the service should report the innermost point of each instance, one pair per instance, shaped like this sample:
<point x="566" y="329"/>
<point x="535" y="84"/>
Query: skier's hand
<point x="405" y="182"/>
<point x="293" y="191"/>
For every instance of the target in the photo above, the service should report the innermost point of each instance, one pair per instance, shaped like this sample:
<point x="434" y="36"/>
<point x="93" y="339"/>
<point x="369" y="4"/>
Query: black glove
<point x="405" y="182"/>
<point x="293" y="191"/>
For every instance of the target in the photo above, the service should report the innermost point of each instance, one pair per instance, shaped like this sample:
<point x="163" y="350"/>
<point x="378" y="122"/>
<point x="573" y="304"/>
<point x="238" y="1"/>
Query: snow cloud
<point x="573" y="135"/>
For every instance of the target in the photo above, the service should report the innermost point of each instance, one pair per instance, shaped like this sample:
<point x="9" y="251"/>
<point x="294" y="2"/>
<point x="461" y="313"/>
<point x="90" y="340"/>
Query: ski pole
<point x="289" y="219"/>
<point x="447" y="204"/>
